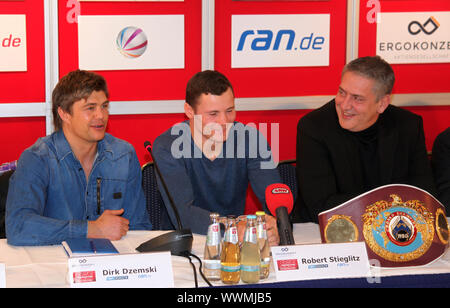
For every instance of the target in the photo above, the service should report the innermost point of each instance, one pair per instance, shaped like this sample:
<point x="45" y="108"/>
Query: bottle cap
<point x="251" y="217"/>
<point x="260" y="213"/>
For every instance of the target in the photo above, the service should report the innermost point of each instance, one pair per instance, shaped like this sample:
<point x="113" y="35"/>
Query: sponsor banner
<point x="280" y="40"/>
<point x="414" y="37"/>
<point x="13" y="43"/>
<point x="131" y="42"/>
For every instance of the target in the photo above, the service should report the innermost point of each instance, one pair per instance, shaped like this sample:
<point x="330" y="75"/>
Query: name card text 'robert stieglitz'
<point x="320" y="261"/>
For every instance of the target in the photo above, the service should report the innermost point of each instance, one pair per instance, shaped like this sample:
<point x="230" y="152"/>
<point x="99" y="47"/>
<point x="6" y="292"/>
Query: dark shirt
<point x="366" y="141"/>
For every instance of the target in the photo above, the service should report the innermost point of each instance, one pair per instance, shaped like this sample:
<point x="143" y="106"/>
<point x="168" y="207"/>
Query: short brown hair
<point x="206" y="82"/>
<point x="374" y="68"/>
<point x="73" y="87"/>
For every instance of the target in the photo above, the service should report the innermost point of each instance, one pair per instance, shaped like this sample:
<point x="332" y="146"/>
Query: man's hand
<point x="109" y="225"/>
<point x="241" y="230"/>
<point x="272" y="231"/>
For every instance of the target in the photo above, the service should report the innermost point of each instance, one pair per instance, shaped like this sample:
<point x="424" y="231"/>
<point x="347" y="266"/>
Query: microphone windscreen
<point x="278" y="195"/>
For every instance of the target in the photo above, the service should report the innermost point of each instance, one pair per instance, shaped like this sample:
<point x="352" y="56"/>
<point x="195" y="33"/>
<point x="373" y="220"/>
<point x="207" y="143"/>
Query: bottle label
<point x="251" y="235"/>
<point x="231" y="236"/>
<point x="265" y="262"/>
<point x="262" y="232"/>
<point x="212" y="264"/>
<point x="213" y="236"/>
<point x="231" y="269"/>
<point x="250" y="268"/>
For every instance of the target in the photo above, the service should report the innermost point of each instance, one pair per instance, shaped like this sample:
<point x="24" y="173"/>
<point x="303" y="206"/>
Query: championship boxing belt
<point x="401" y="225"/>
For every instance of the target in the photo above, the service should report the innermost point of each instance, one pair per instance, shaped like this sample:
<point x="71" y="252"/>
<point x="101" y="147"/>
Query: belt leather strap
<point x="401" y="225"/>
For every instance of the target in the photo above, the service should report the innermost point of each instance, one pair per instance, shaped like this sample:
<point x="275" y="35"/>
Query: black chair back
<point x="155" y="203"/>
<point x="288" y="175"/>
<point x="4" y="185"/>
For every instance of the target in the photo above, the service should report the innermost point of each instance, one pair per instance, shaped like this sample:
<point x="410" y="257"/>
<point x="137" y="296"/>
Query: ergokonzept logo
<point x="428" y="27"/>
<point x="280" y="40"/>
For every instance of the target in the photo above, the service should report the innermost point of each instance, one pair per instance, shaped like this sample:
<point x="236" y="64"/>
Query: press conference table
<point x="46" y="266"/>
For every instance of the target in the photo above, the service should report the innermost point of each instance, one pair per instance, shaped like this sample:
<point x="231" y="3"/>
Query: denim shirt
<point x="49" y="199"/>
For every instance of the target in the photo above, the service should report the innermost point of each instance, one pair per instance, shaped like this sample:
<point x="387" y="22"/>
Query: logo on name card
<point x="287" y="265"/>
<point x="280" y="40"/>
<point x="84" y="277"/>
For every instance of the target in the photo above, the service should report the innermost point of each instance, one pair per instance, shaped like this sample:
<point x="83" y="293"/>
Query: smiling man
<point x="209" y="160"/>
<point x="80" y="181"/>
<point x="357" y="142"/>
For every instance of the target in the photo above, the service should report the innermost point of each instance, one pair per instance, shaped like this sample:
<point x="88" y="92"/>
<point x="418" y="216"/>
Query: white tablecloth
<point x="47" y="266"/>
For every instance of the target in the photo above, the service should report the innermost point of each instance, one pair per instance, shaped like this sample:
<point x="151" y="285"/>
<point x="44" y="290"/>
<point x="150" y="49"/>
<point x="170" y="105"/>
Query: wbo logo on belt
<point x="401" y="225"/>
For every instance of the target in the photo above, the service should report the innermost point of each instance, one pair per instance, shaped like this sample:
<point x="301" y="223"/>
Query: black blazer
<point x="328" y="164"/>
<point x="441" y="167"/>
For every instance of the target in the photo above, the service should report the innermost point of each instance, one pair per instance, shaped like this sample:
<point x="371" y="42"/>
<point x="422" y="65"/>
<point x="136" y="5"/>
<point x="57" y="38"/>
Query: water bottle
<point x="263" y="244"/>
<point x="211" y="255"/>
<point x="231" y="257"/>
<point x="250" y="257"/>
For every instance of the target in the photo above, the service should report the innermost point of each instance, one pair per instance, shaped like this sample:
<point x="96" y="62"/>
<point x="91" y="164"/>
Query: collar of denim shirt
<point x="63" y="148"/>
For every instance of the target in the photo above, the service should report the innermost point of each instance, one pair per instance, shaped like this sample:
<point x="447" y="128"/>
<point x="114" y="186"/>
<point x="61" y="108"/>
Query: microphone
<point x="280" y="203"/>
<point x="178" y="242"/>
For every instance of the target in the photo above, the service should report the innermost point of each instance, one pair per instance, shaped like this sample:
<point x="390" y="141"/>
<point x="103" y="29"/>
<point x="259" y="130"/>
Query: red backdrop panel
<point x="136" y="129"/>
<point x="435" y="120"/>
<point x="18" y="134"/>
<point x="410" y="78"/>
<point x="21" y="87"/>
<point x="137" y="84"/>
<point x="276" y="82"/>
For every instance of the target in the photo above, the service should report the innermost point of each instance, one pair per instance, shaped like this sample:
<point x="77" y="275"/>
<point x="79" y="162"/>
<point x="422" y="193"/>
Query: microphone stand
<point x="178" y="242"/>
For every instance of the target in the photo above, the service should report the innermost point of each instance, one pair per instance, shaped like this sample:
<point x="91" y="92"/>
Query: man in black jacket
<point x="357" y="142"/>
<point x="440" y="162"/>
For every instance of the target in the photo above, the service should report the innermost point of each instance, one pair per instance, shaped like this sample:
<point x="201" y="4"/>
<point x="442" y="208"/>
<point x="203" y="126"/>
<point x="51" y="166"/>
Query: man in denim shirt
<point x="80" y="181"/>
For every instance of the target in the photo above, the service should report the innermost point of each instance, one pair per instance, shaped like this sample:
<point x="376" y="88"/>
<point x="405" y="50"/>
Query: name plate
<point x="2" y="276"/>
<point x="320" y="261"/>
<point x="144" y="270"/>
